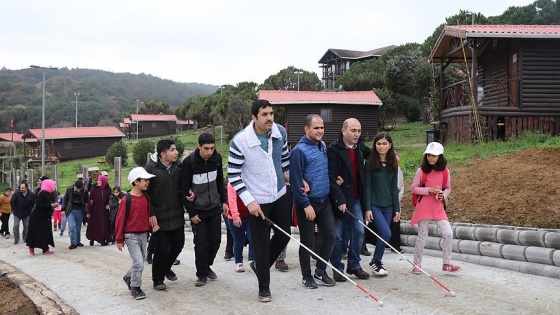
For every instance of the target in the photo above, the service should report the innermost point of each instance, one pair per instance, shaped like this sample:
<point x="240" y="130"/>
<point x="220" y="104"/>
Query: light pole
<point x="76" y="94"/>
<point x="43" y="118"/>
<point x="137" y="120"/>
<point x="298" y="73"/>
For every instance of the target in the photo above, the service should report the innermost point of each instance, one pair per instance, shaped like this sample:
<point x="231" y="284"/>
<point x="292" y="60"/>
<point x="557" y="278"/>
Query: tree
<point x="238" y="116"/>
<point x="363" y="76"/>
<point x="117" y="149"/>
<point x="287" y="79"/>
<point x="141" y="150"/>
<point x="152" y="107"/>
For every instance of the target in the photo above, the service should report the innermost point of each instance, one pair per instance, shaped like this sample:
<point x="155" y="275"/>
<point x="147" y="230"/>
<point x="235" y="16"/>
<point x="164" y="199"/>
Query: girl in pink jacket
<point x="431" y="204"/>
<point x="238" y="221"/>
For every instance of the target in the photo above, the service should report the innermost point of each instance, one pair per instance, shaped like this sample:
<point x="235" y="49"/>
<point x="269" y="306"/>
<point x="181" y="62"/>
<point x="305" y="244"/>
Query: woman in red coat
<point x="98" y="213"/>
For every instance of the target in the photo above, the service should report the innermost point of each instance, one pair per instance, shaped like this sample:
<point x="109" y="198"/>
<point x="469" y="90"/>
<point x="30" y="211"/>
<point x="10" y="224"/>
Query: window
<point x="326" y="114"/>
<point x="154" y="125"/>
<point x="67" y="145"/>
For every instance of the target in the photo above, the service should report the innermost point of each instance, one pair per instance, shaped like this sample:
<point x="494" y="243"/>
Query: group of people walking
<point x="43" y="211"/>
<point x="337" y="189"/>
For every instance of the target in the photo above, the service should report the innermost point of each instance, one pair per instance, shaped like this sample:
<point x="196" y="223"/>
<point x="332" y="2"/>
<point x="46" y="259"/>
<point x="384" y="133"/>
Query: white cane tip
<point x="453" y="293"/>
<point x="380" y="303"/>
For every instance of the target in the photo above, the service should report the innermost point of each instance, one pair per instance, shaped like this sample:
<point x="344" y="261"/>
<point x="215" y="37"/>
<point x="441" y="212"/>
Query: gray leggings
<point x="446" y="234"/>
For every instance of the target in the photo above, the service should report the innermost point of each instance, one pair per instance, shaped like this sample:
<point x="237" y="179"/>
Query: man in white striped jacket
<point x="258" y="158"/>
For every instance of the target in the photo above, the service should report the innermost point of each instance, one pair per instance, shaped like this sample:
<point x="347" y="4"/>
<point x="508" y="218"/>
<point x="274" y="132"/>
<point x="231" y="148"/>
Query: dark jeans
<point x="168" y="245"/>
<point x="5" y="230"/>
<point x="356" y="237"/>
<point x="229" y="238"/>
<point x="267" y="249"/>
<point x="207" y="238"/>
<point x="325" y="222"/>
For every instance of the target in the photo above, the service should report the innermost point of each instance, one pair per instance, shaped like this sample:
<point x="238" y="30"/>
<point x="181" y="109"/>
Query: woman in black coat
<point x="40" y="233"/>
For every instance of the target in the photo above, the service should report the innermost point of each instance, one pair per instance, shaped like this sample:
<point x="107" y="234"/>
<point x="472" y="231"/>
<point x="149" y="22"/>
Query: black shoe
<point x="176" y="262"/>
<point x="80" y="244"/>
<point x="137" y="293"/>
<point x="377" y="268"/>
<point x="365" y="251"/>
<point x="127" y="281"/>
<point x="308" y="282"/>
<point x="159" y="286"/>
<point x="73" y="246"/>
<point x="201" y="281"/>
<point x="212" y="275"/>
<point x="150" y="258"/>
<point x="170" y="275"/>
<point x="228" y="256"/>
<point x="359" y="273"/>
<point x="265" y="296"/>
<point x="338" y="277"/>
<point x="324" y="279"/>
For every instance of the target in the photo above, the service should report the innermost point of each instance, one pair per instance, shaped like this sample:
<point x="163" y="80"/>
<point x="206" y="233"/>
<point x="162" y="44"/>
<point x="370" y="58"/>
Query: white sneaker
<point x="239" y="267"/>
<point x="377" y="268"/>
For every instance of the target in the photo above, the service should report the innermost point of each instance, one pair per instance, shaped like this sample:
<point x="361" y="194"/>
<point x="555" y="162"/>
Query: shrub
<point x="141" y="150"/>
<point x="117" y="149"/>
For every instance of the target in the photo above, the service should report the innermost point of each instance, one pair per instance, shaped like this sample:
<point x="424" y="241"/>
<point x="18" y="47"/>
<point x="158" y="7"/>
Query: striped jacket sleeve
<point x="236" y="159"/>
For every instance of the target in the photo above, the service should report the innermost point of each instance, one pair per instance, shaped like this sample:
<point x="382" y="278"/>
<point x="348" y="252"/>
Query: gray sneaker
<point x="159" y="286"/>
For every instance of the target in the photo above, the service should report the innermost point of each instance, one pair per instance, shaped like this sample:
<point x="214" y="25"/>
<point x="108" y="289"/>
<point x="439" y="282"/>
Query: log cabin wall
<point x="540" y="70"/>
<point x="79" y="148"/>
<point x="368" y="115"/>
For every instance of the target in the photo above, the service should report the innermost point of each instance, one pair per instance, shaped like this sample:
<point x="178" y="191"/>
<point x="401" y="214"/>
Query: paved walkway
<point x="90" y="280"/>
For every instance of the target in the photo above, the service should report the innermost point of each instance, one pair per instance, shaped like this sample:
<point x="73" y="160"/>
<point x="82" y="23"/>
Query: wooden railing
<point x="496" y="93"/>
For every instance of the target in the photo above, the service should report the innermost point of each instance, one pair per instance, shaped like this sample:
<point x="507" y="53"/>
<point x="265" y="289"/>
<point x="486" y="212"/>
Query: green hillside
<point x="105" y="97"/>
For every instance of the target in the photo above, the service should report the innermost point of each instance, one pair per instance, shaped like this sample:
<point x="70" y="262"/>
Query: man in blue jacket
<point x="308" y="161"/>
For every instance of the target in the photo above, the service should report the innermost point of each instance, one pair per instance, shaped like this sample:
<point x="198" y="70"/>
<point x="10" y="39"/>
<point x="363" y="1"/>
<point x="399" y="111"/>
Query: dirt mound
<point x="13" y="300"/>
<point x="518" y="189"/>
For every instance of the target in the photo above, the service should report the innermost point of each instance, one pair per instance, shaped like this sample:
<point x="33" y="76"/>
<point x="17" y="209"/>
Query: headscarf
<point x="48" y="185"/>
<point x="104" y="181"/>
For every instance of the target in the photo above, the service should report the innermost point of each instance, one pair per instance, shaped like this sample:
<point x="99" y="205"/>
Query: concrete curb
<point x="527" y="250"/>
<point x="46" y="301"/>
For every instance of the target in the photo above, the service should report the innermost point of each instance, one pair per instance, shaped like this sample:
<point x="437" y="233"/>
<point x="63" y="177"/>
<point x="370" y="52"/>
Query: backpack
<point x="417" y="198"/>
<point x="129" y="202"/>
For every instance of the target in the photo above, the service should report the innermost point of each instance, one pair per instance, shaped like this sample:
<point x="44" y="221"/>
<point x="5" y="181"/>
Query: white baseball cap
<point x="138" y="172"/>
<point x="434" y="148"/>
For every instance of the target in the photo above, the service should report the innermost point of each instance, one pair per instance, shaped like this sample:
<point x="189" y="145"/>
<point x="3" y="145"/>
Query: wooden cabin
<point x="335" y="62"/>
<point x="334" y="107"/>
<point x="514" y="78"/>
<point x="153" y="125"/>
<point x="62" y="144"/>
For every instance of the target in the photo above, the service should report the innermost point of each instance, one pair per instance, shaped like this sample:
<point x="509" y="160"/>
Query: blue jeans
<point x="356" y="238"/>
<point x="75" y="219"/>
<point x="382" y="217"/>
<point x="239" y="234"/>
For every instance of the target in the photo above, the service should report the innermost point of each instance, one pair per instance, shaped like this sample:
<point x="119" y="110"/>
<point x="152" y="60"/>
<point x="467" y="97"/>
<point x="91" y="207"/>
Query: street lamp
<point x="76" y="94"/>
<point x="43" y="118"/>
<point x="137" y="120"/>
<point x="298" y="73"/>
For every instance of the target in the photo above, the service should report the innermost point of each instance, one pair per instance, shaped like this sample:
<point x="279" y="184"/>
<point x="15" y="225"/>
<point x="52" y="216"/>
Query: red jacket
<point x="138" y="218"/>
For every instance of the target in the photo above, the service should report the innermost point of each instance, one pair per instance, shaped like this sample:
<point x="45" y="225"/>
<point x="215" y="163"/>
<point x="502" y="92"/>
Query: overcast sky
<point x="213" y="41"/>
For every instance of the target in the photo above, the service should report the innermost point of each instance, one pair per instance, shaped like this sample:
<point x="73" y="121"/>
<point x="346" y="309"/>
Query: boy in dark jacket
<point x="132" y="225"/>
<point x="22" y="203"/>
<point x="202" y="174"/>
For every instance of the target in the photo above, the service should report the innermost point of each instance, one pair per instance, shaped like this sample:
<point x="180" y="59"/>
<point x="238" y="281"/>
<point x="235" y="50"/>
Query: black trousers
<point x="267" y="249"/>
<point x="207" y="238"/>
<point x="324" y="218"/>
<point x="229" y="238"/>
<point x="168" y="245"/>
<point x="5" y="230"/>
